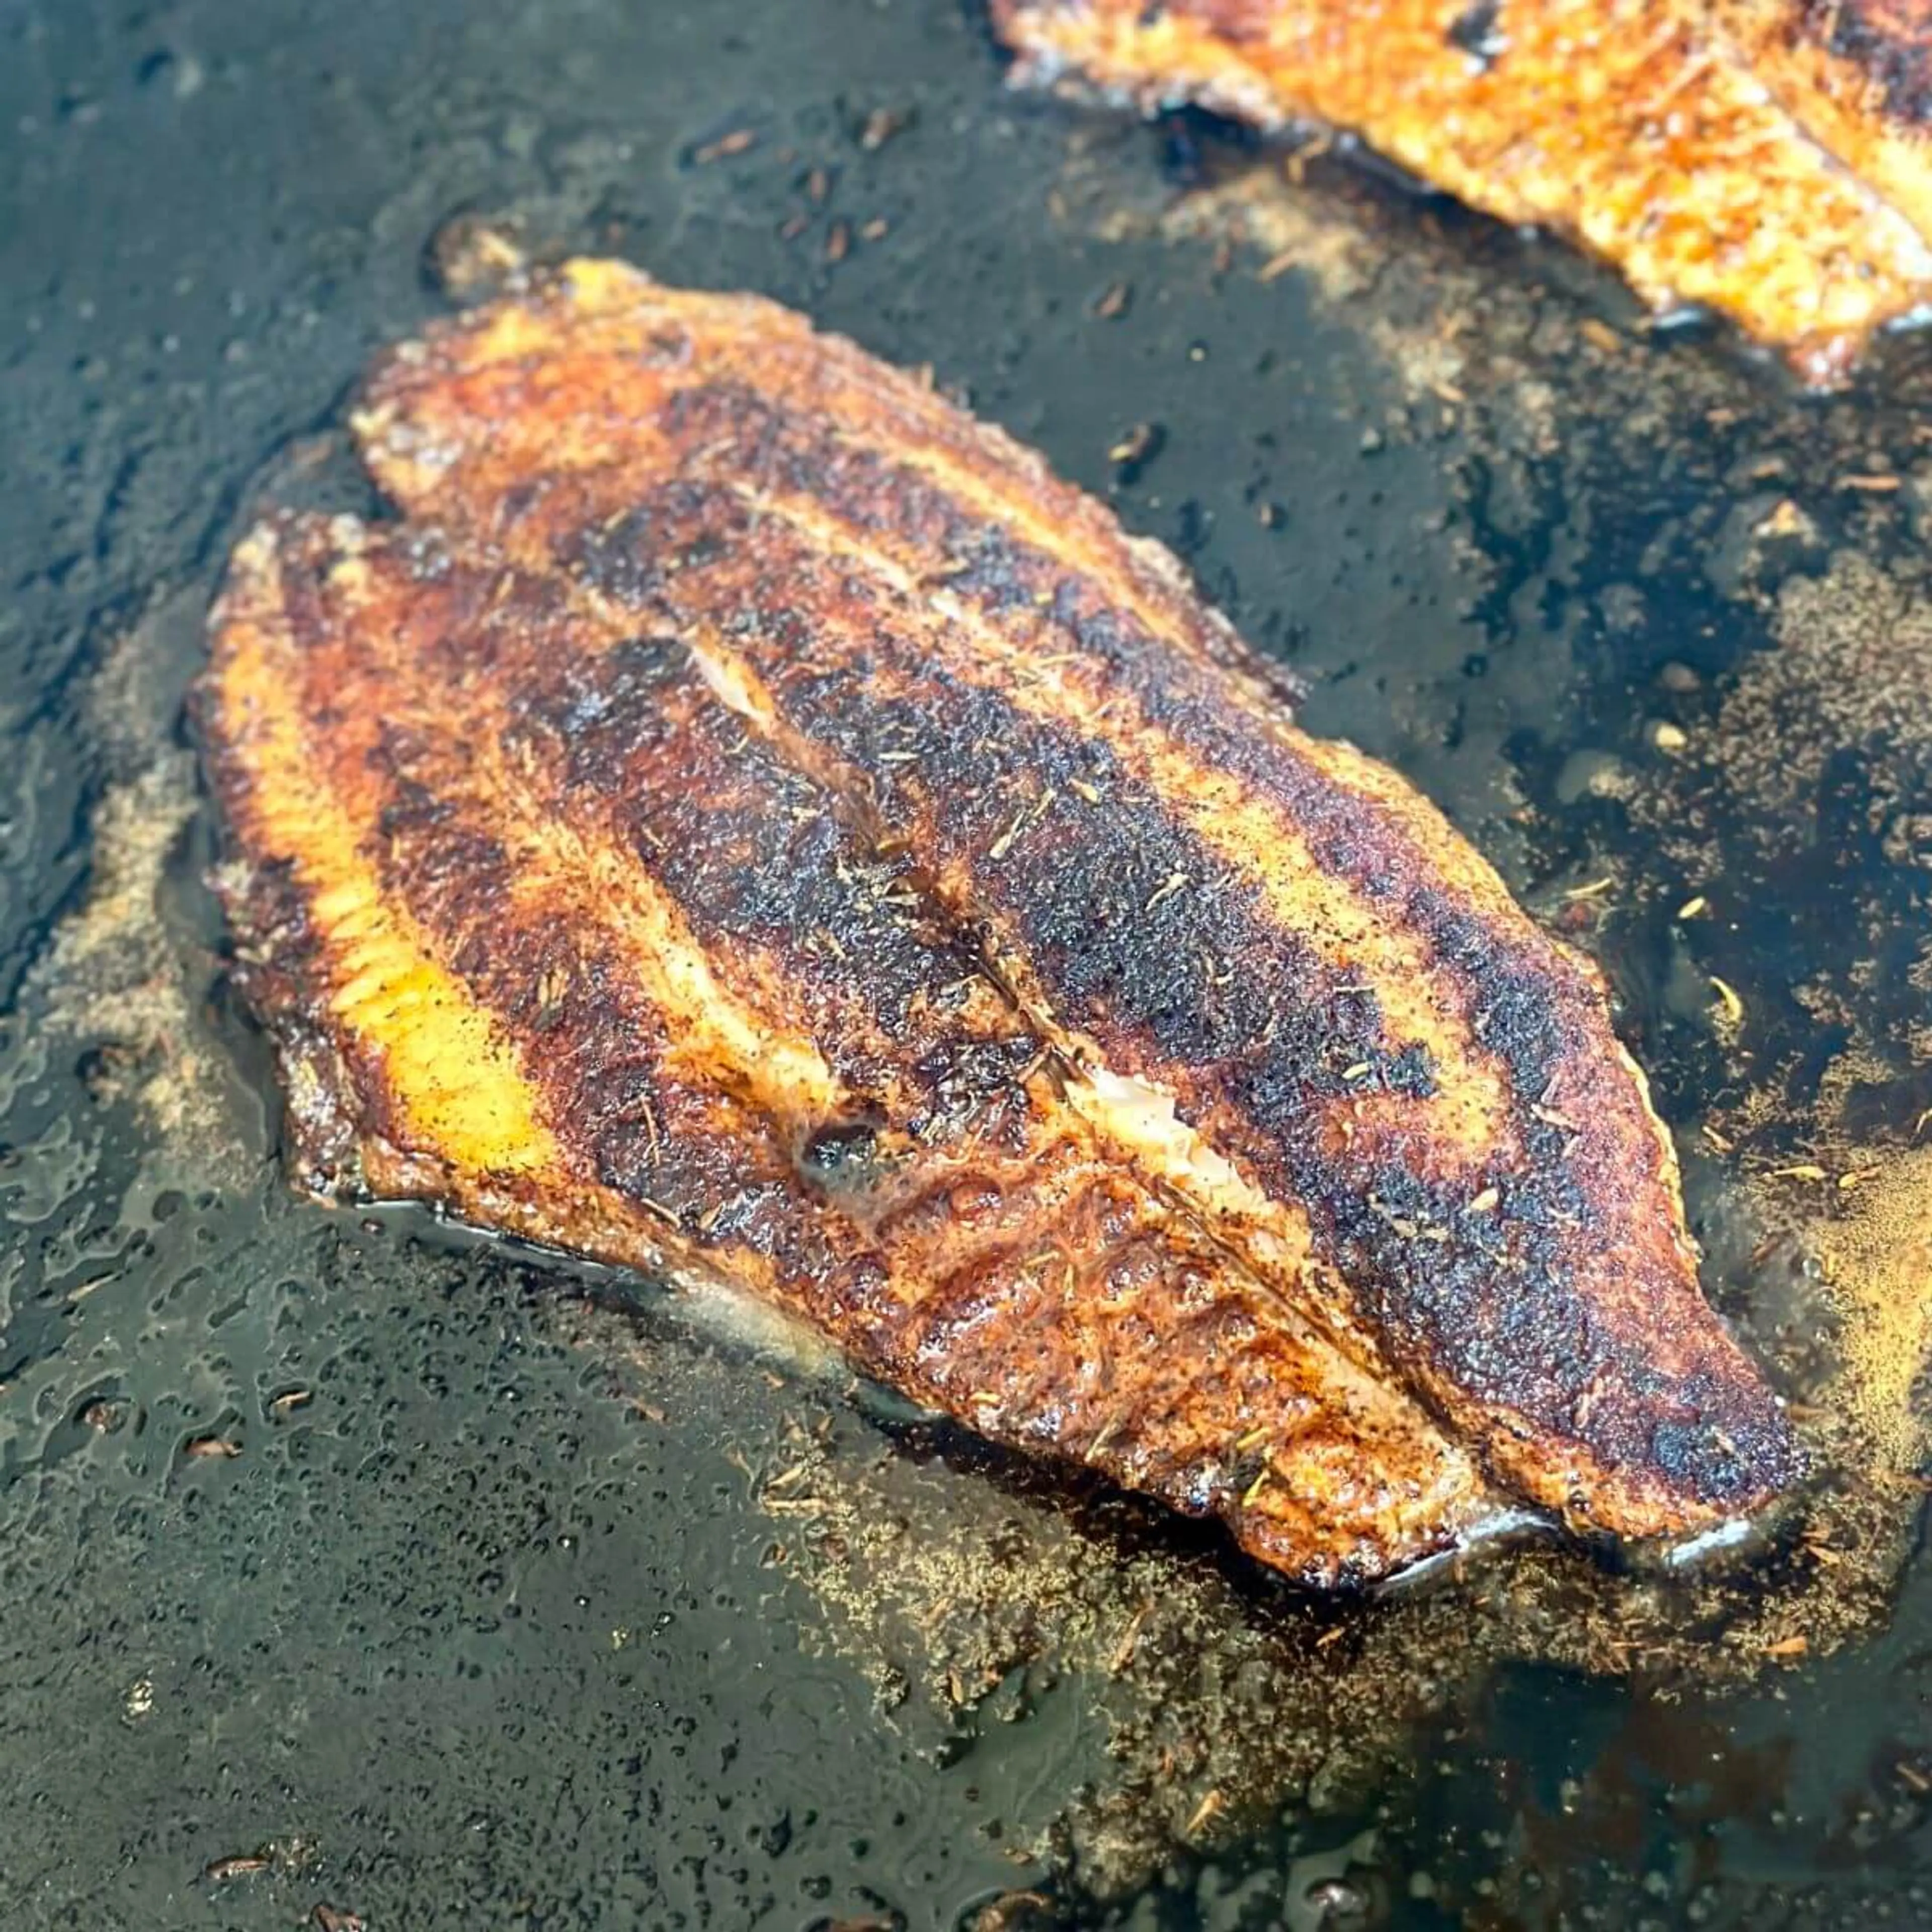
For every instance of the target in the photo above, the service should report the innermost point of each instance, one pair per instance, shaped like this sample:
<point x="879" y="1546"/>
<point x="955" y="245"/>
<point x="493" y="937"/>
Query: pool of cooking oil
<point x="359" y="1573"/>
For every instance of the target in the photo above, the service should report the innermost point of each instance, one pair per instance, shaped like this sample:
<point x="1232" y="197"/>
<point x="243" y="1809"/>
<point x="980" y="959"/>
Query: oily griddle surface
<point x="625" y="842"/>
<point x="470" y="1632"/>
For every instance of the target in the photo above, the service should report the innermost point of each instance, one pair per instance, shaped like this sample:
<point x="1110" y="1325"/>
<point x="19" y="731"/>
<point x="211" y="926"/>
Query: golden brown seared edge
<point x="542" y="936"/>
<point x="1772" y="159"/>
<point x="1399" y="1100"/>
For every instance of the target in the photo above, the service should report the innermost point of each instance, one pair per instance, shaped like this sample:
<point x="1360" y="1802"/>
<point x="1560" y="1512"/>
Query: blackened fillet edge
<point x="1284" y="986"/>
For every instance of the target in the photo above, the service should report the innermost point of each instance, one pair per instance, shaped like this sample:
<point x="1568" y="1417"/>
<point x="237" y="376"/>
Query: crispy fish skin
<point x="543" y="936"/>
<point x="1770" y="159"/>
<point x="1280" y="983"/>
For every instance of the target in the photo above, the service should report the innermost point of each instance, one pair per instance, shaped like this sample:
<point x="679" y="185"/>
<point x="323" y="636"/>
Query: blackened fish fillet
<point x="751" y="819"/>
<point x="1772" y="159"/>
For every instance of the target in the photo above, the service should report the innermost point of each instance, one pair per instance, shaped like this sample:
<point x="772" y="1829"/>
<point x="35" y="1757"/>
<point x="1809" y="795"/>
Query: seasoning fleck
<point x="1137" y="446"/>
<point x="881" y="125"/>
<point x="1204" y="1813"/>
<point x="737" y="141"/>
<point x="1174" y="883"/>
<point x="218" y="1870"/>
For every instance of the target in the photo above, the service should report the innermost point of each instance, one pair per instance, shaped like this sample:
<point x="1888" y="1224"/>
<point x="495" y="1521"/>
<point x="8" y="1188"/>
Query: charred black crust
<point x="1501" y="1306"/>
<point x="273" y="967"/>
<point x="755" y="854"/>
<point x="1888" y="41"/>
<point x="630" y="731"/>
<point x="1478" y="31"/>
<point x="715" y="1175"/>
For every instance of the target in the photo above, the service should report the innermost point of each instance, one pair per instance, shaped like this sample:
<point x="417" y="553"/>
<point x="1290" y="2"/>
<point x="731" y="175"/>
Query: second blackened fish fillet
<point x="751" y="818"/>
<point x="1772" y="159"/>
